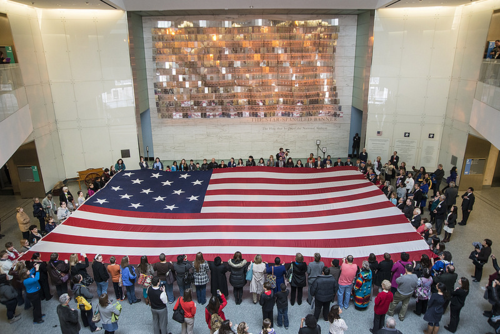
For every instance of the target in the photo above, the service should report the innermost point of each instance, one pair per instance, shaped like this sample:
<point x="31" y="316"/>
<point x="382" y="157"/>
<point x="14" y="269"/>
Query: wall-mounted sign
<point x="431" y="135"/>
<point x="474" y="166"/>
<point x="407" y="134"/>
<point x="379" y="133"/>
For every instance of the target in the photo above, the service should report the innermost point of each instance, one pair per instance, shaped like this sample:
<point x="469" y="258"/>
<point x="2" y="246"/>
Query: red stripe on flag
<point x="278" y="192"/>
<point x="240" y="216"/>
<point x="344" y="225"/>
<point x="303" y="170"/>
<point x="276" y="243"/>
<point x="267" y="180"/>
<point x="289" y="203"/>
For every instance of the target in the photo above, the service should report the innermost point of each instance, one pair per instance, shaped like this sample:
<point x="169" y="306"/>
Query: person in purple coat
<point x="398" y="269"/>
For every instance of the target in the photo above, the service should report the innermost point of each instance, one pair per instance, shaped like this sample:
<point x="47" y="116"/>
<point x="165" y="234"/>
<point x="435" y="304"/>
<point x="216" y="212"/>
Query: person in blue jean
<point x="30" y="281"/>
<point x="282" y="305"/>
<point x="165" y="271"/>
<point x="128" y="280"/>
<point x="201" y="279"/>
<point x="101" y="275"/>
<point x="348" y="271"/>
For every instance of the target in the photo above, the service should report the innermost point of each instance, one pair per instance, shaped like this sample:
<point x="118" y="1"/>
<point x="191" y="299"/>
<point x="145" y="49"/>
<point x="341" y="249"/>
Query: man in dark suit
<point x="467" y="205"/>
<point x="440" y="213"/>
<point x="416" y="219"/>
<point x="318" y="164"/>
<point x="417" y="195"/>
<point x="338" y="163"/>
<point x="348" y="162"/>
<point x="408" y="209"/>
<point x="356" y="143"/>
<point x="480" y="259"/>
<point x="310" y="164"/>
<point x="191" y="166"/>
<point x="328" y="158"/>
<point x="363" y="156"/>
<point x="395" y="159"/>
<point x="448" y="278"/>
<point x="213" y="164"/>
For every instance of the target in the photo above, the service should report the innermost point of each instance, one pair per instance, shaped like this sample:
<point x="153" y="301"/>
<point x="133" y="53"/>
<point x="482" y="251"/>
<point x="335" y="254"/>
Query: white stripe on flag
<point x="274" y="186"/>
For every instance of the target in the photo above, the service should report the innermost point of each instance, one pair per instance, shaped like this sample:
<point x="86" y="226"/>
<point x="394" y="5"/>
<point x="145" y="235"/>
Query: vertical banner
<point x="468" y="163"/>
<point x="10" y="54"/>
<point x="36" y="176"/>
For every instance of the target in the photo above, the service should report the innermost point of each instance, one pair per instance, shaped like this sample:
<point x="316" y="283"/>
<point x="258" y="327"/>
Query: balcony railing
<point x="12" y="91"/>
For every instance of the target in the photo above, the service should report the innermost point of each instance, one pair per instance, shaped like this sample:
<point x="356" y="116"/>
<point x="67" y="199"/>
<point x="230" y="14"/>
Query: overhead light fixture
<point x="318" y="142"/>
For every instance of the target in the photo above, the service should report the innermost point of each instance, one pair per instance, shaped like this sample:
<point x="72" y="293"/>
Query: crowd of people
<point x="431" y="282"/>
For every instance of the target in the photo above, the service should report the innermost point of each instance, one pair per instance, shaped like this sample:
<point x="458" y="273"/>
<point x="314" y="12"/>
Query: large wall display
<point x="254" y="68"/>
<point x="240" y="86"/>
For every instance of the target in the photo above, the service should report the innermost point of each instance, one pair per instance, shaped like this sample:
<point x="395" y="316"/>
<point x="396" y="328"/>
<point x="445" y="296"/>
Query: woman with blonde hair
<point x="242" y="328"/>
<point x="201" y="279"/>
<point x="24" y="222"/>
<point x="270" y="161"/>
<point x="257" y="284"/>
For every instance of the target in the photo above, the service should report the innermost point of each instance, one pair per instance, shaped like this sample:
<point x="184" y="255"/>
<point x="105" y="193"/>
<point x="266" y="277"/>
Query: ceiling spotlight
<point x="251" y="6"/>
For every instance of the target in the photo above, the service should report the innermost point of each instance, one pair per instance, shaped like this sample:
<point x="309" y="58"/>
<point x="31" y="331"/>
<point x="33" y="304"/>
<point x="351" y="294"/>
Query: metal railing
<point x="12" y="91"/>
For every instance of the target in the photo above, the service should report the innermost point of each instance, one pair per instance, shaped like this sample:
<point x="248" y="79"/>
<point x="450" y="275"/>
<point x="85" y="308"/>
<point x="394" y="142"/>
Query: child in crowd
<point x="394" y="199"/>
<point x="50" y="225"/>
<point x="267" y="327"/>
<point x="81" y="197"/>
<point x="282" y="305"/>
<point x="382" y="302"/>
<point x="267" y="302"/>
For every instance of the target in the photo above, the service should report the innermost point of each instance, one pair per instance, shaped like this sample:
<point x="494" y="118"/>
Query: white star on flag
<point x="193" y="198"/>
<point x="159" y="198"/>
<point x="101" y="201"/>
<point x="146" y="191"/>
<point x="170" y="207"/>
<point x="197" y="182"/>
<point x="167" y="183"/>
<point x="135" y="205"/>
<point x="127" y="196"/>
<point x="116" y="188"/>
<point x="178" y="192"/>
<point x="128" y="174"/>
<point x="156" y="175"/>
<point x="184" y="176"/>
<point x="137" y="181"/>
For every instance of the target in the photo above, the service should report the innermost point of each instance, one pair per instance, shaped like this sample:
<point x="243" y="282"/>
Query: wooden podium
<point x="88" y="176"/>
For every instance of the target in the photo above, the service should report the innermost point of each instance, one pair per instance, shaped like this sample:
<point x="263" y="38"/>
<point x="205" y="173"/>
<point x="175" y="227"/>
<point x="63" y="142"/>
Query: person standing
<point x="128" y="280"/>
<point x="438" y="175"/>
<point x="337" y="324"/>
<point x="457" y="303"/>
<point x="8" y="297"/>
<point x="218" y="280"/>
<point x="158" y="302"/>
<point x="49" y="206"/>
<point x="440" y="214"/>
<point x="182" y="267"/>
<point x="257" y="282"/>
<point x="314" y="269"/>
<point x="30" y="281"/>
<point x="101" y="275"/>
<point x="382" y="302"/>
<point x="108" y="312"/>
<point x="407" y="284"/>
<point x="390" y="327"/>
<point x="282" y="306"/>
<point x="201" y="278"/>
<point x="347" y="273"/>
<point x="39" y="212"/>
<point x="80" y="290"/>
<point x="267" y="302"/>
<point x="451" y="194"/>
<point x="449" y="224"/>
<point x="165" y="271"/>
<point x="114" y="270"/>
<point x="143" y="164"/>
<point x="189" y="307"/>
<point x="436" y="309"/>
<point x="59" y="273"/>
<point x="468" y="200"/>
<point x="423" y="292"/>
<point x="356" y="143"/>
<point x="24" y="222"/>
<point x="363" y="287"/>
<point x="298" y="269"/>
<point x="68" y="317"/>
<point x="238" y="269"/>
<point x="480" y="259"/>
<point x="395" y="159"/>
<point x="323" y="290"/>
<point x="215" y="311"/>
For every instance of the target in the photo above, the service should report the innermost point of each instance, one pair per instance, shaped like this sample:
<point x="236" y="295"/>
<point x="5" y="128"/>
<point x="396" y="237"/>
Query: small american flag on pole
<point x="254" y="210"/>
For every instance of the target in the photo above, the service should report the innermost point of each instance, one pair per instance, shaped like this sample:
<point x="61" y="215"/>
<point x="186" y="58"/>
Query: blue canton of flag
<point x="154" y="191"/>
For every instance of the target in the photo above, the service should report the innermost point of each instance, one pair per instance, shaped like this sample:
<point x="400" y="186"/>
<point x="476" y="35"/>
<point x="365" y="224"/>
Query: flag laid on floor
<point x="254" y="210"/>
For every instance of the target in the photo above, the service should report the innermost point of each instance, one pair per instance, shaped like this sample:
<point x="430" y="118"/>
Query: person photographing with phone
<point x="158" y="301"/>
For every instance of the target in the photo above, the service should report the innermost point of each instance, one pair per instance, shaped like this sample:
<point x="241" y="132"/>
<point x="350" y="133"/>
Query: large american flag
<point x="254" y="210"/>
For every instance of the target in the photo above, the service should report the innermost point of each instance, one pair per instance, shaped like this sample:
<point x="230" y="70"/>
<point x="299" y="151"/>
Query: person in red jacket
<point x="382" y="302"/>
<point x="189" y="307"/>
<point x="215" y="307"/>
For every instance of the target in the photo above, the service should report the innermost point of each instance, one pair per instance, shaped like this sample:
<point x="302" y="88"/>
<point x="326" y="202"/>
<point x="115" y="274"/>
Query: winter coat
<point x="68" y="320"/>
<point x="80" y="269"/>
<point x="128" y="273"/>
<point x="238" y="270"/>
<point x="314" y="270"/>
<point x="299" y="274"/>
<point x="434" y="308"/>
<point x="24" y="221"/>
<point x="257" y="283"/>
<point x="100" y="272"/>
<point x="180" y="271"/>
<point x="81" y="290"/>
<point x="62" y="266"/>
<point x="324" y="288"/>
<point x="218" y="280"/>
<point x="398" y="269"/>
<point x="7" y="292"/>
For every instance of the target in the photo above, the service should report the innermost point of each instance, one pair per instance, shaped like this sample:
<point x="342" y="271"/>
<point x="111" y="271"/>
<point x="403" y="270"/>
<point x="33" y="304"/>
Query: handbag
<point x="188" y="278"/>
<point x="145" y="280"/>
<point x="170" y="277"/>
<point x="179" y="313"/>
<point x="64" y="278"/>
<point x="271" y="279"/>
<point x="250" y="273"/>
<point x="87" y="280"/>
<point x="97" y="316"/>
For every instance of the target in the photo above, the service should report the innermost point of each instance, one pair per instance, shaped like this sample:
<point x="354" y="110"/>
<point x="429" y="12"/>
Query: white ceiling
<point x="163" y="5"/>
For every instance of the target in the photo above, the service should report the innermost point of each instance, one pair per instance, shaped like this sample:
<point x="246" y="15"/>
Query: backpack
<point x="83" y="304"/>
<point x="215" y="322"/>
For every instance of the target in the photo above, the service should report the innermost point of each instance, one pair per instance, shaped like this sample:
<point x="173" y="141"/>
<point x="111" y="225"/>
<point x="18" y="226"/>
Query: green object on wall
<point x="10" y="54"/>
<point x="36" y="176"/>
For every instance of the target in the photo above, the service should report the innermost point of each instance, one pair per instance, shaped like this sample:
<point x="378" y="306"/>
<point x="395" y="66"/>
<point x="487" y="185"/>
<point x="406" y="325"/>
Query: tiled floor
<point x="483" y="223"/>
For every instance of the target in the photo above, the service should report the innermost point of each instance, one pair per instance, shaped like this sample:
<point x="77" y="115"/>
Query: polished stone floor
<point x="483" y="223"/>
